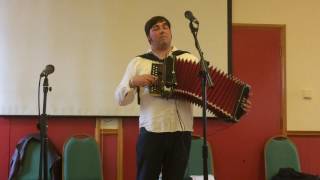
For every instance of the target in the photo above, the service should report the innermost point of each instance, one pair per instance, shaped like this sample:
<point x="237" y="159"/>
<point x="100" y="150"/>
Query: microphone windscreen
<point x="188" y="14"/>
<point x="50" y="68"/>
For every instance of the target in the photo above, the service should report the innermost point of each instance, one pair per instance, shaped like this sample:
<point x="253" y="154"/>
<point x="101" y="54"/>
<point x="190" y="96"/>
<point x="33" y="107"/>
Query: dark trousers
<point x="167" y="153"/>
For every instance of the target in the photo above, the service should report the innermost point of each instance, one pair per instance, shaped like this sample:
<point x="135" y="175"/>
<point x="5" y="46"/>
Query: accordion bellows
<point x="224" y="98"/>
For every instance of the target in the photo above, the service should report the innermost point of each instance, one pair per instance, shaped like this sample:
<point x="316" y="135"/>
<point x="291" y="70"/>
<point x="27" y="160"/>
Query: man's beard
<point x="163" y="45"/>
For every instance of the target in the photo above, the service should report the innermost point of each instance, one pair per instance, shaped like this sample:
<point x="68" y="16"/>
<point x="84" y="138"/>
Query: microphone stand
<point x="205" y="81"/>
<point x="43" y="126"/>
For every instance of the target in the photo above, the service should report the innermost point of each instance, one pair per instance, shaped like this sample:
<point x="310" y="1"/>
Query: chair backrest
<point x="280" y="152"/>
<point x="195" y="163"/>
<point x="81" y="159"/>
<point x="25" y="161"/>
<point x="30" y="164"/>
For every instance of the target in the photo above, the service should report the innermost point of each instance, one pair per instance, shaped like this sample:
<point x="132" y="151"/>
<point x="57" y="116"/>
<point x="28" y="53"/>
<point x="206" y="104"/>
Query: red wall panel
<point x="4" y="147"/>
<point x="308" y="148"/>
<point x="109" y="156"/>
<point x="130" y="134"/>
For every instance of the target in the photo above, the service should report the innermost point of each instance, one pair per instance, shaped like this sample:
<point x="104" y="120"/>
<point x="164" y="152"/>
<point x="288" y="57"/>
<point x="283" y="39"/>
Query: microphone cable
<point x="39" y="96"/>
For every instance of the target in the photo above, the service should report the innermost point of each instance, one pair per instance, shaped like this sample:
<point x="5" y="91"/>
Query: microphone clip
<point x="194" y="26"/>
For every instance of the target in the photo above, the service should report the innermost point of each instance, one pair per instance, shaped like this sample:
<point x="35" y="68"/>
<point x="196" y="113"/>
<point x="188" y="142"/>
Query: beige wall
<point x="302" y="20"/>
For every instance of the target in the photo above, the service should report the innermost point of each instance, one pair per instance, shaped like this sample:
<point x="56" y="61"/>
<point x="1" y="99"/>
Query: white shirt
<point x="157" y="114"/>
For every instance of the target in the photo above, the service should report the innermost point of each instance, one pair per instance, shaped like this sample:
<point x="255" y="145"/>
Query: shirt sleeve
<point x="124" y="94"/>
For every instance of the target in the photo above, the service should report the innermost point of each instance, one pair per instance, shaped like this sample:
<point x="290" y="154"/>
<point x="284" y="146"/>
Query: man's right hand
<point x="142" y="80"/>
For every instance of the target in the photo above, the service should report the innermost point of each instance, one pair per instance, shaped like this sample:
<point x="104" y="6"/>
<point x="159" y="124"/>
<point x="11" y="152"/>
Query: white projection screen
<point x="90" y="43"/>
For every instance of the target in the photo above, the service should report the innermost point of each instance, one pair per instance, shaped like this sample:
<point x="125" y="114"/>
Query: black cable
<point x="39" y="128"/>
<point x="39" y="96"/>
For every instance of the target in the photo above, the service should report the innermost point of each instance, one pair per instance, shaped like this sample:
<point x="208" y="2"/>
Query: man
<point x="165" y="124"/>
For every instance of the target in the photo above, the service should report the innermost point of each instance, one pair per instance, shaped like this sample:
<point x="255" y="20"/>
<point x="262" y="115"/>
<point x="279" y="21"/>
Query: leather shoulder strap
<point x="153" y="57"/>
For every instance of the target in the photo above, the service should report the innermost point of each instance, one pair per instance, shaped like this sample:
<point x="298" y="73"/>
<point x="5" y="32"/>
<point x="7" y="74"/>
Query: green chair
<point x="81" y="159"/>
<point x="195" y="163"/>
<point x="25" y="161"/>
<point x="280" y="152"/>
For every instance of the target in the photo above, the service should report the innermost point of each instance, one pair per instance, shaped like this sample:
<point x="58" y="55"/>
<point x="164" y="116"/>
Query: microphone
<point x="189" y="15"/>
<point x="48" y="70"/>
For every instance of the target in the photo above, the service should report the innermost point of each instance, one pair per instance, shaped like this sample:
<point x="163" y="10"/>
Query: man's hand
<point x="246" y="105"/>
<point x="142" y="80"/>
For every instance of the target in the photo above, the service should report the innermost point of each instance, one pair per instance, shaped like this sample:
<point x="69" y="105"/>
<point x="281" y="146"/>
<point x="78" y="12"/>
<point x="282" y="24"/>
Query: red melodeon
<point x="179" y="78"/>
